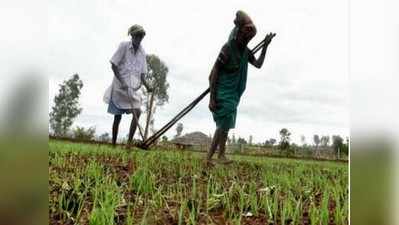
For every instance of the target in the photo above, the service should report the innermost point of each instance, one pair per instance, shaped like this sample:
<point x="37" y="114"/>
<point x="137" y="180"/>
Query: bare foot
<point x="224" y="160"/>
<point x="209" y="162"/>
<point x="128" y="146"/>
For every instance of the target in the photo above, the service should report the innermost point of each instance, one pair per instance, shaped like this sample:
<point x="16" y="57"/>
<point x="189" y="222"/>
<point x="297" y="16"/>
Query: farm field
<point x="96" y="185"/>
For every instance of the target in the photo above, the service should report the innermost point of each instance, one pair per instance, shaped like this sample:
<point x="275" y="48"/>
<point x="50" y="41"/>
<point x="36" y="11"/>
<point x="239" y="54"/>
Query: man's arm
<point x="259" y="62"/>
<point x="212" y="86"/>
<point x="213" y="77"/>
<point x="117" y="75"/>
<point x="117" y="59"/>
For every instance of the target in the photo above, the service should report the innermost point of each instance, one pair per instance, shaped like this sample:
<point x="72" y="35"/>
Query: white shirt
<point x="130" y="65"/>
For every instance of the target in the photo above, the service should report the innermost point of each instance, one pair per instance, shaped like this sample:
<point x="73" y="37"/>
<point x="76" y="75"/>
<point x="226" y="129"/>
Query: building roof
<point x="194" y="138"/>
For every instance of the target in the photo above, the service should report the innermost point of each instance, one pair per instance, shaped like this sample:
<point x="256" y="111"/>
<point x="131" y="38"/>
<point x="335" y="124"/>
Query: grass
<point x="96" y="184"/>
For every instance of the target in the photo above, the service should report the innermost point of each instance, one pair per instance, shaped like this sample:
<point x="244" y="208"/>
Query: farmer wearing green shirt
<point x="228" y="80"/>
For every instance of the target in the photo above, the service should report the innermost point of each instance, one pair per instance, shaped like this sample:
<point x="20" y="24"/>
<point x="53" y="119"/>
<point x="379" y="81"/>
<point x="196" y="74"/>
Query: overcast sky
<point x="303" y="85"/>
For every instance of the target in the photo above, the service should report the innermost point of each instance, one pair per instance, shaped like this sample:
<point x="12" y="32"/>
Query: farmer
<point x="129" y="66"/>
<point x="228" y="80"/>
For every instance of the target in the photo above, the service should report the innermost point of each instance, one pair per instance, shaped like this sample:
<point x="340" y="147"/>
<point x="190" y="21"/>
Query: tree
<point x="284" y="139"/>
<point x="164" y="138"/>
<point x="337" y="145"/>
<point x="270" y="142"/>
<point x="316" y="140"/>
<point x="179" y="129"/>
<point x="241" y="141"/>
<point x="303" y="140"/>
<point x="105" y="137"/>
<point x="156" y="78"/>
<point x="325" y="140"/>
<point x="66" y="107"/>
<point x="345" y="146"/>
<point x="80" y="133"/>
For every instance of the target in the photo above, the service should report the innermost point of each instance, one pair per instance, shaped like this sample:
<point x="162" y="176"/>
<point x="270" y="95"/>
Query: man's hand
<point x="269" y="38"/>
<point x="124" y="86"/>
<point x="259" y="62"/>
<point x="149" y="89"/>
<point x="213" y="105"/>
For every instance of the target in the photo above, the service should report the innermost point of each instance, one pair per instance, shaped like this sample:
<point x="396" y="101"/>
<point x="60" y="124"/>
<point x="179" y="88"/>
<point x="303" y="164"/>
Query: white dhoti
<point x="130" y="65"/>
<point x="124" y="98"/>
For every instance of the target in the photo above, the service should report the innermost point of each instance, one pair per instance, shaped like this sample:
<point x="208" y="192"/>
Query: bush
<point x="80" y="133"/>
<point x="104" y="137"/>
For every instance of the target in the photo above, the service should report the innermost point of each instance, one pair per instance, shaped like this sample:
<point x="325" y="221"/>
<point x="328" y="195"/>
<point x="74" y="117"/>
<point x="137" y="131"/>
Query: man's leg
<point x="133" y="125"/>
<point x="115" y="127"/>
<point x="215" y="142"/>
<point x="222" y="147"/>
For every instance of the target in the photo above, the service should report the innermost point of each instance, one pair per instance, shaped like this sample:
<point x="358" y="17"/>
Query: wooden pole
<point x="147" y="142"/>
<point x="149" y="116"/>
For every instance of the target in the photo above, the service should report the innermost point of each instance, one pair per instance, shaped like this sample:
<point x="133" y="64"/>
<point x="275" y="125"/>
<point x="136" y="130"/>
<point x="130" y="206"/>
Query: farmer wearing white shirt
<point x="129" y="66"/>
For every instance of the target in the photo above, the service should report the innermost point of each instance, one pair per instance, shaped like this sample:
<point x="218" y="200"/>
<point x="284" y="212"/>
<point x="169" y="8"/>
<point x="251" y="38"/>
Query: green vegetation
<point x="66" y="106"/>
<point x="96" y="184"/>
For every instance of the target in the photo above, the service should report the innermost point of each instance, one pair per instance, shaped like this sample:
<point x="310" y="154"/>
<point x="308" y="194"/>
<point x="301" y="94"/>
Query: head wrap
<point x="136" y="29"/>
<point x="241" y="19"/>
